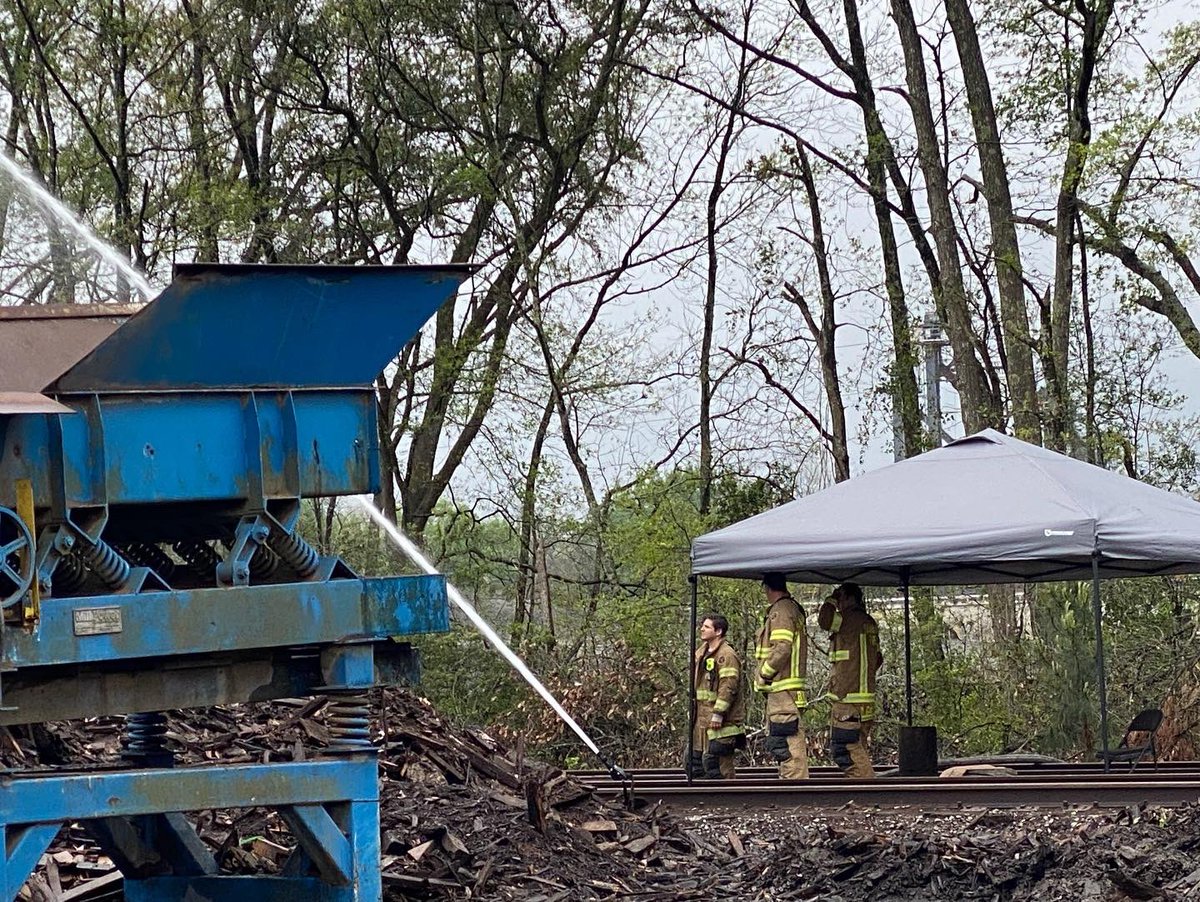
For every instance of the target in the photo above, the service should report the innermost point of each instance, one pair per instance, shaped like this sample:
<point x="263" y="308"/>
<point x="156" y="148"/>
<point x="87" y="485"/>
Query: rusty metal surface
<point x="13" y="402"/>
<point x="675" y="776"/>
<point x="35" y="695"/>
<point x="216" y="621"/>
<point x="1165" y="788"/>
<point x="38" y="343"/>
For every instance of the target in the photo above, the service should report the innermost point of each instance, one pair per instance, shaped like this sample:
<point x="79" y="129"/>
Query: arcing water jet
<point x="61" y="212"/>
<point x="409" y="547"/>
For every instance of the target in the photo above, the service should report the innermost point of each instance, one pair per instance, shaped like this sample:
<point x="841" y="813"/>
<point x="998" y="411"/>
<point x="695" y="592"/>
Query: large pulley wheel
<point x="16" y="558"/>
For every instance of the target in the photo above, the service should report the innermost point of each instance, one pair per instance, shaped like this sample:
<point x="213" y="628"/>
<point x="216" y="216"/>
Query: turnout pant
<point x="785" y="735"/>
<point x="719" y="766"/>
<point x="849" y="739"/>
<point x="699" y="739"/>
<point x="706" y="762"/>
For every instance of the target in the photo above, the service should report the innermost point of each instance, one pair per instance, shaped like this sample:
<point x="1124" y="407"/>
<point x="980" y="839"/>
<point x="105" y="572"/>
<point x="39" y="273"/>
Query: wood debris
<point x="462" y="817"/>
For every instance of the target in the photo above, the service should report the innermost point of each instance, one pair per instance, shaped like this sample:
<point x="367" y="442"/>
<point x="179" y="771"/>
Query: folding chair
<point x="1144" y="722"/>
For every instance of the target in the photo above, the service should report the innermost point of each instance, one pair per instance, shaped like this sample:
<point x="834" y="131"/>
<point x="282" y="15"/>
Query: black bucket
<point x="918" y="752"/>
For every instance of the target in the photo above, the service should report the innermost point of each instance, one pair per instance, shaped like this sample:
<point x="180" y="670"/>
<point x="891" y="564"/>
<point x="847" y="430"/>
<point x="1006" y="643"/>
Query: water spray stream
<point x="71" y="220"/>
<point x="409" y="547"/>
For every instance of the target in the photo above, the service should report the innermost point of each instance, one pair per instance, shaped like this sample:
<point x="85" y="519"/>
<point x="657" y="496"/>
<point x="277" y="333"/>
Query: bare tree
<point x="1016" y="342"/>
<point x="980" y="408"/>
<point x="1094" y="19"/>
<point x="824" y="327"/>
<point x="730" y="127"/>
<point x="878" y="153"/>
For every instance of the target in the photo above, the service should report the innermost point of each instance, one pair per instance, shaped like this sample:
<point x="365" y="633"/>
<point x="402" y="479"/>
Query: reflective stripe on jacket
<point x="719" y="688"/>
<point x="854" y="653"/>
<point x="781" y="648"/>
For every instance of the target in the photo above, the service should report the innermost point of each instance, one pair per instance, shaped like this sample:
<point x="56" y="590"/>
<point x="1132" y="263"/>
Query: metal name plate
<point x="97" y="621"/>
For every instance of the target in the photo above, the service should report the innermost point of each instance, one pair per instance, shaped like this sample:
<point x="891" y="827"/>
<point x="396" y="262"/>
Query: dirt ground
<point x="465" y="818"/>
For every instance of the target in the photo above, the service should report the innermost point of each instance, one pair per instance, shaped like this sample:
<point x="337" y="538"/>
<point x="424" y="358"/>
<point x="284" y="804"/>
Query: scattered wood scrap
<point x="464" y="818"/>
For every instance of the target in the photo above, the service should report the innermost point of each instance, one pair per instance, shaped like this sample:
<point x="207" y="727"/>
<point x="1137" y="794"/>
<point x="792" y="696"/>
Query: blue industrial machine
<point x="150" y="480"/>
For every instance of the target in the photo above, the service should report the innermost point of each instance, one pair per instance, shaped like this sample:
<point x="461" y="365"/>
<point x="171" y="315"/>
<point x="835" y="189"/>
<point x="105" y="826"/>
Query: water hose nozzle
<point x="617" y="772"/>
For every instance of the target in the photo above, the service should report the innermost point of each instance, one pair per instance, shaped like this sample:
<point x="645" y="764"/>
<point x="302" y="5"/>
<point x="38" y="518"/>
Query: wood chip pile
<point x="466" y="818"/>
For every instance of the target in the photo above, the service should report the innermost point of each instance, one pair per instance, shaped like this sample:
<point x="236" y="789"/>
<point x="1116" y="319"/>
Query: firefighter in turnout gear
<point x="781" y="649"/>
<point x="720" y="717"/>
<point x="854" y="653"/>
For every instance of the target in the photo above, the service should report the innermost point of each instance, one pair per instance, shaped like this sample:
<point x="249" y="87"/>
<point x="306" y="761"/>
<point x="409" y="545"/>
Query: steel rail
<point x="766" y="772"/>
<point x="1159" y="789"/>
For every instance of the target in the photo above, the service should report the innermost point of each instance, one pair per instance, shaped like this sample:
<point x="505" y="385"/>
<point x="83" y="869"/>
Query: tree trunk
<point x="979" y="409"/>
<point x="523" y="604"/>
<point x="905" y="397"/>
<point x="542" y="587"/>
<point x="825" y="331"/>
<point x="1018" y="346"/>
<point x="208" y="239"/>
<point x="1091" y="429"/>
<point x="710" y="295"/>
<point x="1079" y="136"/>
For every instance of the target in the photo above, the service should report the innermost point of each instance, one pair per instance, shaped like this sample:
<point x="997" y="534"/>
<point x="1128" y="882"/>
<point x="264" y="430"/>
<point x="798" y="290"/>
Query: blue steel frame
<point x="208" y="416"/>
<point x="330" y="806"/>
<point x="249" y="447"/>
<point x="154" y="624"/>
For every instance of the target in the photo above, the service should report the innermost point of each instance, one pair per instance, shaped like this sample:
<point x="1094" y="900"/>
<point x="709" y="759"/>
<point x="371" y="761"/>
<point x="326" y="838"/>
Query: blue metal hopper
<point x="150" y="559"/>
<point x="279" y="326"/>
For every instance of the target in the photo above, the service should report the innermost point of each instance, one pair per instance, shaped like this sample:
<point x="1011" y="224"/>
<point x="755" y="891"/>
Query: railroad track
<point x="1045" y="785"/>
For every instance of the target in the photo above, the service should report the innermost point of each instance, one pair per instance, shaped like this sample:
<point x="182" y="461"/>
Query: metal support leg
<point x="349" y="670"/>
<point x="298" y="863"/>
<point x="1101" y="688"/>
<point x="908" y="692"/>
<point x="152" y="845"/>
<point x="361" y="824"/>
<point x="691" y="746"/>
<point x="23" y="846"/>
<point x="333" y="806"/>
<point x="325" y="844"/>
<point x="125" y="841"/>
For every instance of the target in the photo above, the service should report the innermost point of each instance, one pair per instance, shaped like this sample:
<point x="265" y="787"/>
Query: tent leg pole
<point x="907" y="651"/>
<point x="691" y="742"/>
<point x="1102" y="688"/>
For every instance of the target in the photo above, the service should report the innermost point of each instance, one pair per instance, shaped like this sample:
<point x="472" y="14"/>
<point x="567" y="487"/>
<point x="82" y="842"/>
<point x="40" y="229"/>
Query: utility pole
<point x="933" y="339"/>
<point x="898" y="446"/>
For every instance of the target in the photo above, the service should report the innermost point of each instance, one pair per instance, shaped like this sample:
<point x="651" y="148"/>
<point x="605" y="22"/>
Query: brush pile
<point x="464" y="817"/>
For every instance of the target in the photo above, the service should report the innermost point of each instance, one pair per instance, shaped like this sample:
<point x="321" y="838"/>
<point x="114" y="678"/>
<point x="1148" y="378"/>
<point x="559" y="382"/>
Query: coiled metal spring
<point x="298" y="554"/>
<point x="199" y="556"/>
<point x="264" y="564"/>
<point x="69" y="574"/>
<point x="104" y="561"/>
<point x="147" y="554"/>
<point x="348" y="716"/>
<point x="144" y="738"/>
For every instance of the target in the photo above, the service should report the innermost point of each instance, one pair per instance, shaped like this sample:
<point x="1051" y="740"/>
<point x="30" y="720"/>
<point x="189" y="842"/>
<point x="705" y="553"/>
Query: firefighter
<point x="854" y="653"/>
<point x="781" y="649"/>
<point x="720" y="705"/>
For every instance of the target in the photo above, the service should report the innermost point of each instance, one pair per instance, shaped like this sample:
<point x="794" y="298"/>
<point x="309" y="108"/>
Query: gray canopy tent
<point x="982" y="510"/>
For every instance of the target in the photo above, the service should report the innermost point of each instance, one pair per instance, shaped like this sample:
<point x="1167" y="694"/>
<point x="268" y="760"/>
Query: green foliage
<point x="1037" y="691"/>
<point x="618" y="655"/>
<point x="1065" y="623"/>
<point x="618" y="660"/>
